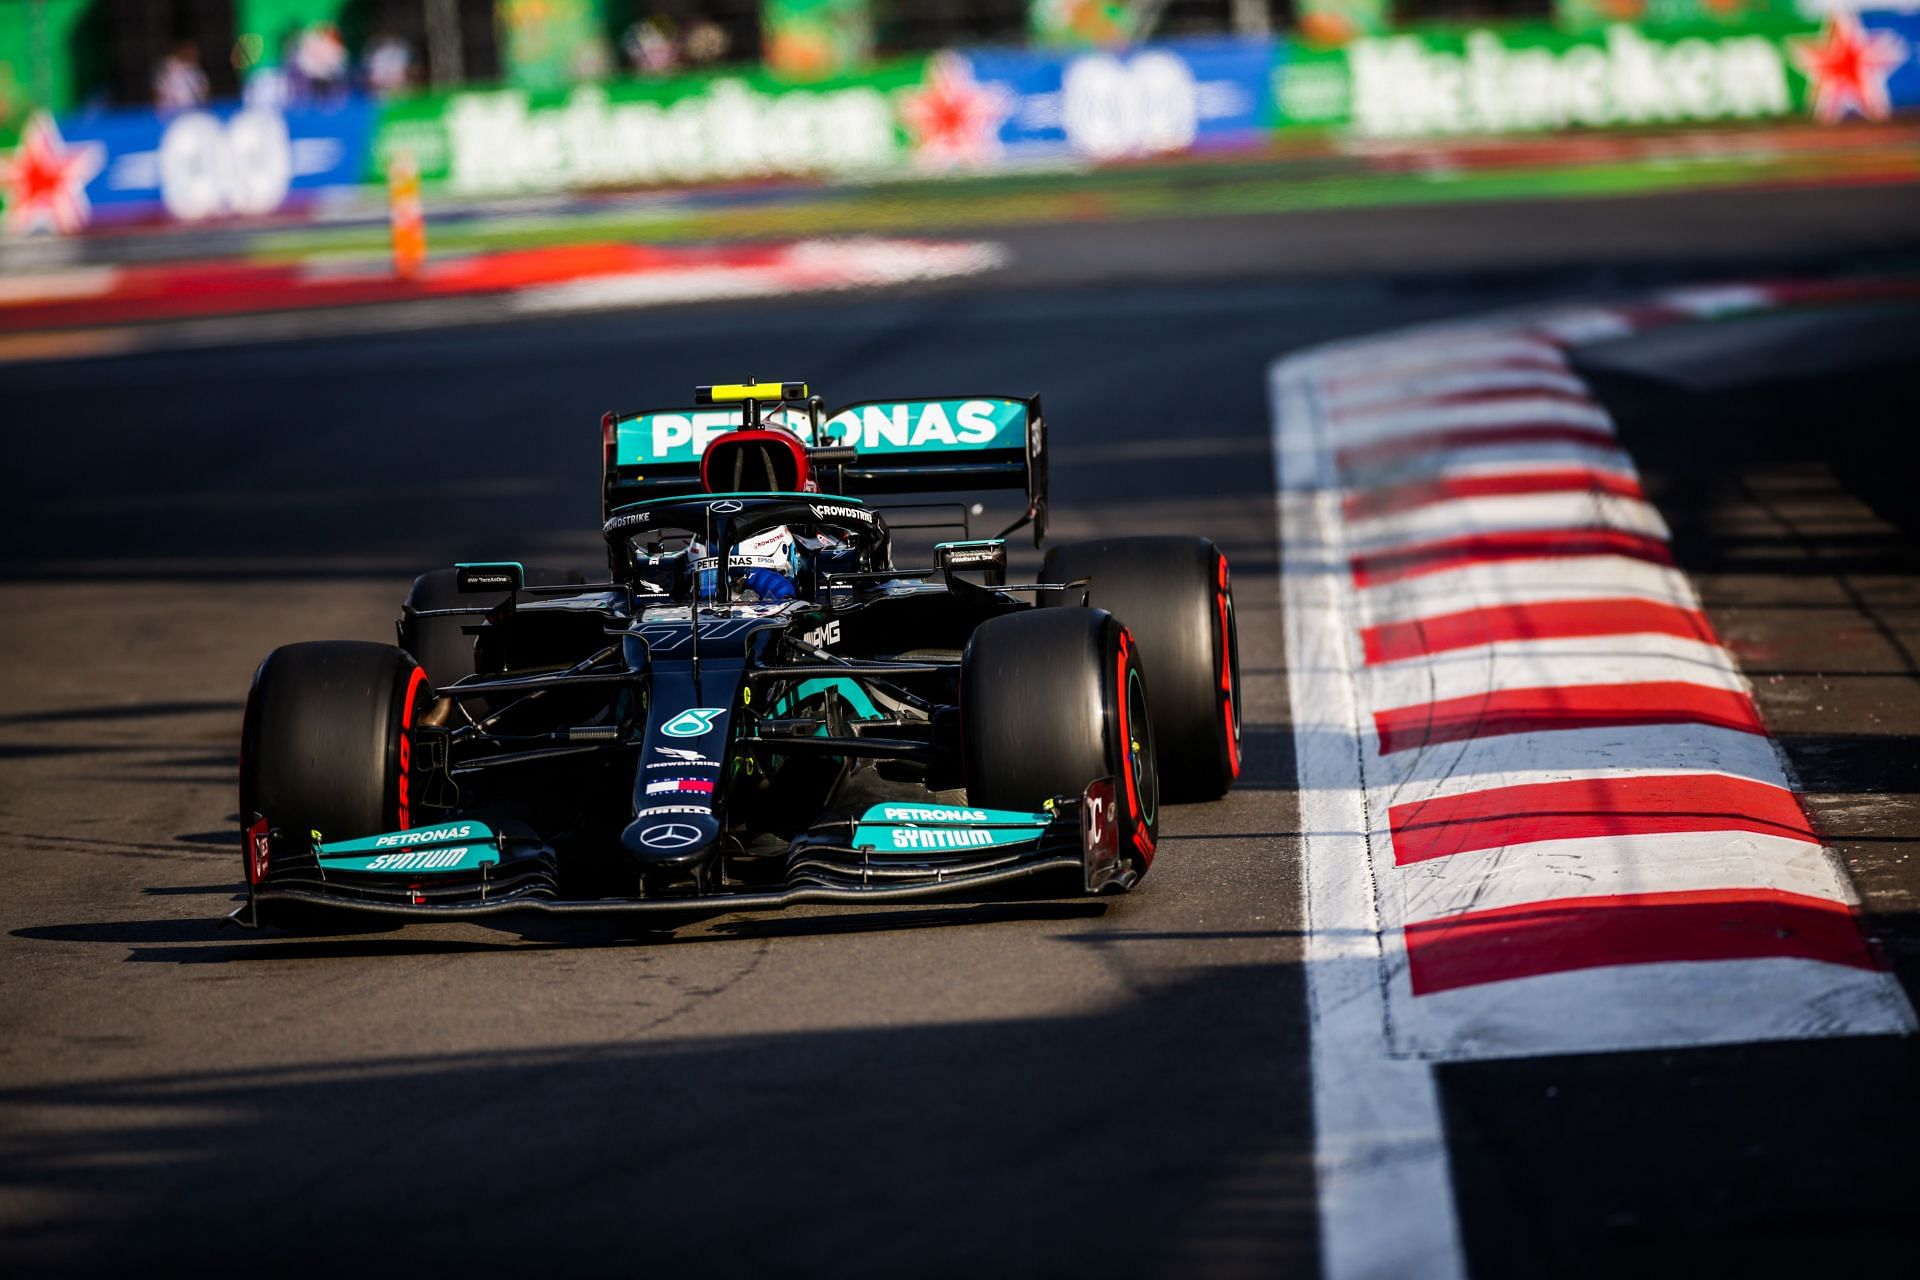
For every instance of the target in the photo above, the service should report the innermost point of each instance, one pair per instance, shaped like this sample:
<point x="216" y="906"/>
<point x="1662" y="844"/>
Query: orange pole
<point x="408" y="217"/>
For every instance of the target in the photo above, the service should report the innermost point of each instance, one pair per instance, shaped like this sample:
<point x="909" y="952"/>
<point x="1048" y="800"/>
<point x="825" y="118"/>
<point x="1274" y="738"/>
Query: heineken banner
<point x="697" y="128"/>
<point x="958" y="111"/>
<point x="1512" y="79"/>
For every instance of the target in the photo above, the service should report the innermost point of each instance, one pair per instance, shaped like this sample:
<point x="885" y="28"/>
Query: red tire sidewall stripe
<point x="1223" y="599"/>
<point x="403" y="809"/>
<point x="1142" y="837"/>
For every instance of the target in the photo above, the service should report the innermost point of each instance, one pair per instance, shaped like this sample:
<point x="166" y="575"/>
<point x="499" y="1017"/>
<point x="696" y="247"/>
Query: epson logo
<point x="432" y="835"/>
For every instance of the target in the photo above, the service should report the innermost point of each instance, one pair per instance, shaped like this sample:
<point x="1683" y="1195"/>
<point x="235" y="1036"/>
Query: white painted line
<point x="1385" y="1189"/>
<point x="1642" y="1006"/>
<point x="1462" y="517"/>
<point x="1537" y="664"/>
<point x="1451" y="380"/>
<point x="1372" y="427"/>
<point x="1523" y="582"/>
<point x="1520" y="759"/>
<point x="1670" y="862"/>
<point x="1529" y="455"/>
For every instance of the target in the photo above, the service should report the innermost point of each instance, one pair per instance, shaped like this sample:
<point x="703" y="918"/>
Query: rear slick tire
<point x="1051" y="700"/>
<point x="1174" y="595"/>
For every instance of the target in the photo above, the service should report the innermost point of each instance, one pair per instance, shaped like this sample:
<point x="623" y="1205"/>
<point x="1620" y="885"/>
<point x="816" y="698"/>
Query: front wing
<point x="898" y="852"/>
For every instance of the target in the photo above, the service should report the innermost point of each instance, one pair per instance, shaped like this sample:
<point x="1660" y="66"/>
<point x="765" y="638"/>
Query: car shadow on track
<point x="1168" y="1134"/>
<point x="215" y="940"/>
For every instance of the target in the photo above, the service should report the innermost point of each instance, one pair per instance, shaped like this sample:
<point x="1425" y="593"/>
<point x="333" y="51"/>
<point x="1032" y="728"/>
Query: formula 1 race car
<point x="757" y="707"/>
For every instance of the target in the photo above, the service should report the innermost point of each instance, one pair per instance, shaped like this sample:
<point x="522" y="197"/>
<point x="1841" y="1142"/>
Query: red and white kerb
<point x="1578" y="833"/>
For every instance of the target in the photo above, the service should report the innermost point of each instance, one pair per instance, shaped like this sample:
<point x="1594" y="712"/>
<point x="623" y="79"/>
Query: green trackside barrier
<point x="1484" y="79"/>
<point x="690" y="128"/>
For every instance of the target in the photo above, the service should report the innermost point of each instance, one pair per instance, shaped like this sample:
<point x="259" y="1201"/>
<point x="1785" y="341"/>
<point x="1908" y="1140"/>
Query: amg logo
<point x="430" y="836"/>
<point x="935" y="815"/>
<point x="419" y="860"/>
<point x="935" y="838"/>
<point x="822" y="636"/>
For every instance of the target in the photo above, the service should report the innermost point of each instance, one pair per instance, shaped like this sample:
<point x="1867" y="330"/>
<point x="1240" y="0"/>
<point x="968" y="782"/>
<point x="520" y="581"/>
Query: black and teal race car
<point x="716" y="729"/>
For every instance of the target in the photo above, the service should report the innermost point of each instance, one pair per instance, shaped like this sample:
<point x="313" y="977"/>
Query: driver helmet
<point x="761" y="568"/>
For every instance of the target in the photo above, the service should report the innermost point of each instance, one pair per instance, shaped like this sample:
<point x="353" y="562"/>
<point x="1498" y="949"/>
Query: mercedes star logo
<point x="728" y="507"/>
<point x="670" y="835"/>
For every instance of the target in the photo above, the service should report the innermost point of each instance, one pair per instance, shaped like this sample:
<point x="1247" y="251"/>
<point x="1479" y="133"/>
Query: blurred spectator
<point x="320" y="59"/>
<point x="261" y="87"/>
<point x="650" y="46"/>
<point x="592" y="60"/>
<point x="178" y="82"/>
<point x="706" y="42"/>
<point x="389" y="65"/>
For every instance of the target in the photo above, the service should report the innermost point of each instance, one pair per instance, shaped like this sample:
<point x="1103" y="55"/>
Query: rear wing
<point x="948" y="444"/>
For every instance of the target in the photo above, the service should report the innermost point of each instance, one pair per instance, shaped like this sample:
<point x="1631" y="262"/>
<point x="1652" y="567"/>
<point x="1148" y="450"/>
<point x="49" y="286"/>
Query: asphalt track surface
<point x="1110" y="1087"/>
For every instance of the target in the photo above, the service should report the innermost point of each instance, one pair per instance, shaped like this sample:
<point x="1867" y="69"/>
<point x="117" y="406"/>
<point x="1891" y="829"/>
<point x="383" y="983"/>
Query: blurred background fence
<point x="119" y="112"/>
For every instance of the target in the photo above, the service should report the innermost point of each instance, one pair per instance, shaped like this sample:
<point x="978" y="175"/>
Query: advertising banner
<point x="695" y="128"/>
<point x="959" y="111"/>
<point x="1516" y="79"/>
<point x="1586" y="15"/>
<point x="1150" y="100"/>
<point x="118" y="166"/>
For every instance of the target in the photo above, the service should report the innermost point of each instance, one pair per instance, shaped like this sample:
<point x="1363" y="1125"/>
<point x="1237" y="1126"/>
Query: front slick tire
<point x="1050" y="700"/>
<point x="325" y="747"/>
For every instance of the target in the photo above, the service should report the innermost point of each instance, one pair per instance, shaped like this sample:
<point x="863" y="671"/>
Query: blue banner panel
<point x="220" y="161"/>
<point x="1156" y="99"/>
<point x="1903" y="83"/>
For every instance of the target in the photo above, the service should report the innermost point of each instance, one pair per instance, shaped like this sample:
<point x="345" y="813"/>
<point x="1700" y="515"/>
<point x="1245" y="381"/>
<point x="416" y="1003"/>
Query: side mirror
<point x="490" y="576"/>
<point x="988" y="556"/>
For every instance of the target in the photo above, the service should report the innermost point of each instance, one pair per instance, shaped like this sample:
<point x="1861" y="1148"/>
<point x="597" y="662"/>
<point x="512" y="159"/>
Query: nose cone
<point x="661" y="841"/>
